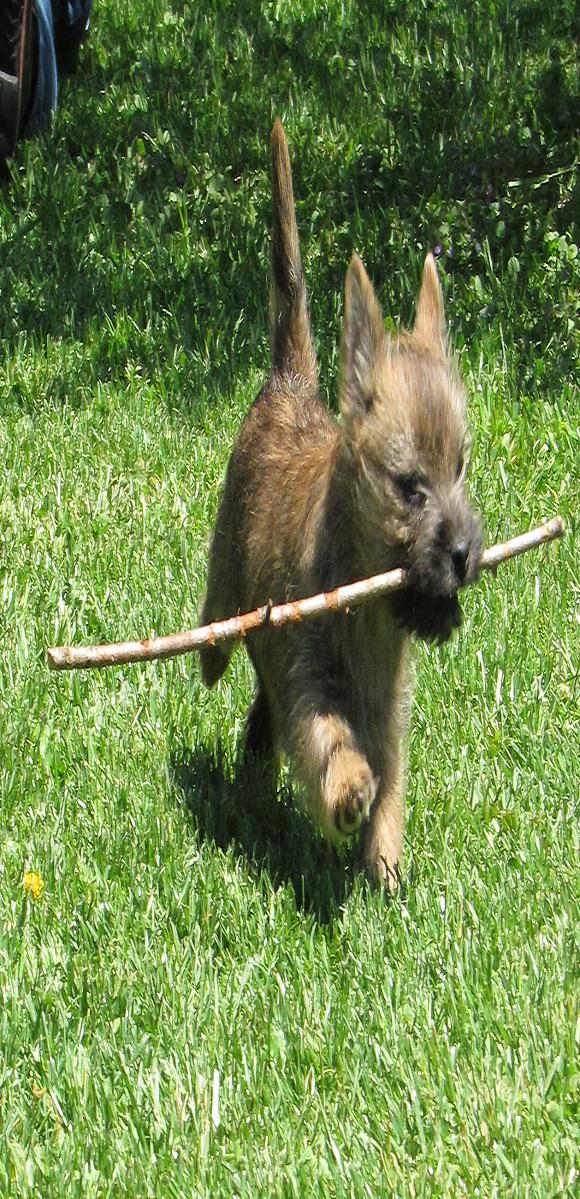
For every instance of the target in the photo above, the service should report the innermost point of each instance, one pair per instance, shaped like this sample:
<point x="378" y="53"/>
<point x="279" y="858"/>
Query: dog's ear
<point x="363" y="340"/>
<point x="429" y="326"/>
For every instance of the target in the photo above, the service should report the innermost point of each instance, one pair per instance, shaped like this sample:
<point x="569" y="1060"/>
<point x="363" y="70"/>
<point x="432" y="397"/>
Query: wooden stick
<point x="69" y="657"/>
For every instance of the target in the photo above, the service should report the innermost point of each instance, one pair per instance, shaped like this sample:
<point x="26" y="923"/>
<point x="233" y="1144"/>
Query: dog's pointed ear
<point x="363" y="339"/>
<point x="429" y="324"/>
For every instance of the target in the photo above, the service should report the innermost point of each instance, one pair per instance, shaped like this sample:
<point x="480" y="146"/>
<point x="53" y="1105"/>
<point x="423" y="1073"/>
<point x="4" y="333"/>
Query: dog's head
<point x="406" y="444"/>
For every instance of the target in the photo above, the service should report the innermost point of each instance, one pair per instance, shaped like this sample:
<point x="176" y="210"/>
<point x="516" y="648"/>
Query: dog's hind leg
<point x="220" y="601"/>
<point x="259" y="740"/>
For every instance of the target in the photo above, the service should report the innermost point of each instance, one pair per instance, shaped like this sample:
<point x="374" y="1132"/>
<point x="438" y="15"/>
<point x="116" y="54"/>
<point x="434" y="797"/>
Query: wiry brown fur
<point x="310" y="503"/>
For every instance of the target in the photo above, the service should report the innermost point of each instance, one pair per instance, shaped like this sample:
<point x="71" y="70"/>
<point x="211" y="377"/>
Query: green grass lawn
<point x="204" y="1001"/>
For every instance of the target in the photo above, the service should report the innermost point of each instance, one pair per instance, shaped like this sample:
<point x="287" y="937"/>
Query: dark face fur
<point x="405" y="438"/>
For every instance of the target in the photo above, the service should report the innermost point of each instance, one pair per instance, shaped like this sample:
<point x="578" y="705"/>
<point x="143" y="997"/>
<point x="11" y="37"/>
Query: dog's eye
<point x="411" y="490"/>
<point x="461" y="468"/>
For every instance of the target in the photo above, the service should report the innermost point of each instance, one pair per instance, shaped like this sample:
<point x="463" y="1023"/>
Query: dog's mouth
<point x="433" y="618"/>
<point x="429" y="606"/>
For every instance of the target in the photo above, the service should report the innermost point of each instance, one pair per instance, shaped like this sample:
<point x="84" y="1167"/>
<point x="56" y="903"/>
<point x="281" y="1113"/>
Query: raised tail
<point x="292" y="348"/>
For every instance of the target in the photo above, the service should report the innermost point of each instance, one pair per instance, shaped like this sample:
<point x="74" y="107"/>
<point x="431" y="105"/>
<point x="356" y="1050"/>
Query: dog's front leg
<point x="382" y="841"/>
<point x="340" y="783"/>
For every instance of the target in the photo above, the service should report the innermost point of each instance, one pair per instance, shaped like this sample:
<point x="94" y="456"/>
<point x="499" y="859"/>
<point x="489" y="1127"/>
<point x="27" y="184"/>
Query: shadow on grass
<point x="150" y="201"/>
<point x="241" y="808"/>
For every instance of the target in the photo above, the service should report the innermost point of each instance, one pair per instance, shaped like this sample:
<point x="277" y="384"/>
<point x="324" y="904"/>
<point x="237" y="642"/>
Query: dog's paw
<point x="379" y="859"/>
<point x="384" y="873"/>
<point x="350" y="789"/>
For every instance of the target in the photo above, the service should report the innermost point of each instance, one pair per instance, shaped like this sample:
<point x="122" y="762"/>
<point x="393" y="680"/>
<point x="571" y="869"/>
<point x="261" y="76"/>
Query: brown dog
<point x="309" y="504"/>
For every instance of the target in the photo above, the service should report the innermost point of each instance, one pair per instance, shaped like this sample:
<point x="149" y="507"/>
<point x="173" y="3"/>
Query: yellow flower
<point x="33" y="884"/>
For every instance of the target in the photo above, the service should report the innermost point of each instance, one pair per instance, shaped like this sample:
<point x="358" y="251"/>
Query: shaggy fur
<point x="310" y="503"/>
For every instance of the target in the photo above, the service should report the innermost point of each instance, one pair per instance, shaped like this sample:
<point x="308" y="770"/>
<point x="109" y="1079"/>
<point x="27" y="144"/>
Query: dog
<point x="310" y="503"/>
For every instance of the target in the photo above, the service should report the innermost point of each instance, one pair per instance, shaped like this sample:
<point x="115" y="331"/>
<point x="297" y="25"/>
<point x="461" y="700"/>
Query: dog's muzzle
<point x="429" y="606"/>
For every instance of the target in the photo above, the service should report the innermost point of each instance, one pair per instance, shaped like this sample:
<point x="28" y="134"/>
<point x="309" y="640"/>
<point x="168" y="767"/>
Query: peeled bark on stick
<point x="71" y="657"/>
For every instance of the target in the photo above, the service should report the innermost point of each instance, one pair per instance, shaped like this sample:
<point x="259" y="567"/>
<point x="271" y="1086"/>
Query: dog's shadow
<point x="240" y="807"/>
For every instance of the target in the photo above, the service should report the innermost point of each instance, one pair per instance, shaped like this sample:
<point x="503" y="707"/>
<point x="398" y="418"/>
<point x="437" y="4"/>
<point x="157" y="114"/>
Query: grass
<point x="203" y="1001"/>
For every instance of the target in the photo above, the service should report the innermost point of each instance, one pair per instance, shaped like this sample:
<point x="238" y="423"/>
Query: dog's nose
<point x="460" y="558"/>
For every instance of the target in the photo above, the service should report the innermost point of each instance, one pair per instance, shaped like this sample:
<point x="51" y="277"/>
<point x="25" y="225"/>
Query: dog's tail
<point x="292" y="347"/>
